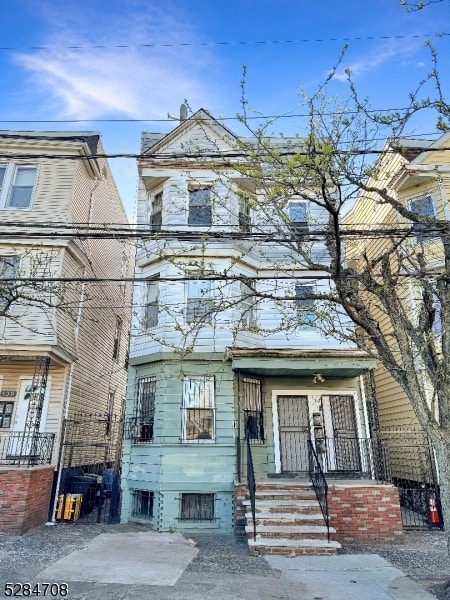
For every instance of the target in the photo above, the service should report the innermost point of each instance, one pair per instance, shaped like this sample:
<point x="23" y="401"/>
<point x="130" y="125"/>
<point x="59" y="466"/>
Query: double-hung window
<point x="144" y="417"/>
<point x="424" y="207"/>
<point x="151" y="305"/>
<point x="199" y="306"/>
<point x="200" y="208"/>
<point x="198" y="409"/>
<point x="117" y="338"/>
<point x="156" y="216"/>
<point x="248" y="306"/>
<point x="298" y="217"/>
<point x="17" y="184"/>
<point x="9" y="266"/>
<point x="305" y="306"/>
<point x="244" y="214"/>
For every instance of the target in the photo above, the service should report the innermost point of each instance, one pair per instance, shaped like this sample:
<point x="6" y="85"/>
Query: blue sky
<point x="197" y="51"/>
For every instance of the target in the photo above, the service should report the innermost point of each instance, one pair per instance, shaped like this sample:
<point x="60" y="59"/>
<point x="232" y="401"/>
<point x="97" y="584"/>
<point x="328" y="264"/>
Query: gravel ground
<point x="422" y="555"/>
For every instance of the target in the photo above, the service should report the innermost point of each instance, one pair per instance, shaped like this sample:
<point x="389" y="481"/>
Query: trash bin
<point x="87" y="486"/>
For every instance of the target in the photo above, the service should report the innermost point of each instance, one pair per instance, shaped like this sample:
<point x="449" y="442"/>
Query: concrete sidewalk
<point x="145" y="564"/>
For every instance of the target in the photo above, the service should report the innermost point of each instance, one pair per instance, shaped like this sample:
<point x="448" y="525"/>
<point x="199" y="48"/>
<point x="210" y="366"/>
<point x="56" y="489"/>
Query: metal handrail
<point x="251" y="482"/>
<point x="319" y="484"/>
<point x="20" y="448"/>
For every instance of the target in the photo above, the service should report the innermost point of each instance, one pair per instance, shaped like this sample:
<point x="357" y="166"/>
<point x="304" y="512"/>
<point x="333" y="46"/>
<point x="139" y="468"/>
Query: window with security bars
<point x="142" y="504"/>
<point x="200" y="208"/>
<point x="253" y="410"/>
<point x="142" y="423"/>
<point x="199" y="304"/>
<point x="198" y="409"/>
<point x="197" y="507"/>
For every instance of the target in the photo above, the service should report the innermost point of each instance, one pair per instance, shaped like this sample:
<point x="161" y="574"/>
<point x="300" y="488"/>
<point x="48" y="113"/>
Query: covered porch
<point x="288" y="399"/>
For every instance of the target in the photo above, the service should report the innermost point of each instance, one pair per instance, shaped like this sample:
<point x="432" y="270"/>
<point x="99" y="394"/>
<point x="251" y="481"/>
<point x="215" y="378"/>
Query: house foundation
<point x="24" y="498"/>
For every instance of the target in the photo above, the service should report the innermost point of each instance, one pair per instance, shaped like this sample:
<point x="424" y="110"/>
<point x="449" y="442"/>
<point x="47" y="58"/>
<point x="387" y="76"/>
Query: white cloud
<point x="136" y="82"/>
<point x="375" y="59"/>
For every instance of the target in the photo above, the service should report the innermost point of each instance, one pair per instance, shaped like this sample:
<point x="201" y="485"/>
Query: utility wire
<point x="437" y="34"/>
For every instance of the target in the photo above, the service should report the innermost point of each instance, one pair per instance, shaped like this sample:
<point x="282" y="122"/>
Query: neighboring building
<point x="208" y="361"/>
<point x="63" y="345"/>
<point x="417" y="173"/>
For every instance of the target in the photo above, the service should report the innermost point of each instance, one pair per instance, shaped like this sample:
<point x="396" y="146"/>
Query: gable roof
<point x="153" y="143"/>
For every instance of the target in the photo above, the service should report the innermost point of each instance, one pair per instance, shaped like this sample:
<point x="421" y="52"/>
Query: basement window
<point x="142" y="507"/>
<point x="197" y="507"/>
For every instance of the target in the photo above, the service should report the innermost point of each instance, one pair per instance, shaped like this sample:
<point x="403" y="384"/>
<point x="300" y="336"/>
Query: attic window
<point x="200" y="209"/>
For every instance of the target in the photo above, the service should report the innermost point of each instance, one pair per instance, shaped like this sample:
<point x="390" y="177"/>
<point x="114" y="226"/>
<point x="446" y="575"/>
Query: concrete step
<point x="285" y="506"/>
<point x="276" y="494"/>
<point x="291" y="532"/>
<point x="291" y="518"/>
<point x="292" y="547"/>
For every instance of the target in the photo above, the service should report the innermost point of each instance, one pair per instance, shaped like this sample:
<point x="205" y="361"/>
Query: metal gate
<point x="408" y="463"/>
<point x="293" y="424"/>
<point x="90" y="458"/>
<point x="346" y="451"/>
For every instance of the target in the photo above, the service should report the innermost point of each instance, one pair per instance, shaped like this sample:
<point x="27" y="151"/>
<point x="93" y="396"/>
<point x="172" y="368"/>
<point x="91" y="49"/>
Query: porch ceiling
<point x="301" y="363"/>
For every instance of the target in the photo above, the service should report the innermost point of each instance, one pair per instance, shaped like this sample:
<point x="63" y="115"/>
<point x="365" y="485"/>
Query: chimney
<point x="183" y="112"/>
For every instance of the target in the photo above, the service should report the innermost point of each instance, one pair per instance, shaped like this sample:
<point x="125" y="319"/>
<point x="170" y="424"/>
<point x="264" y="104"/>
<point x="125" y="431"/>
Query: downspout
<point x="61" y="445"/>
<point x="67" y="405"/>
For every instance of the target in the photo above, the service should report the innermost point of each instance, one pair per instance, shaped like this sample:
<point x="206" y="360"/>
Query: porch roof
<point x="301" y="363"/>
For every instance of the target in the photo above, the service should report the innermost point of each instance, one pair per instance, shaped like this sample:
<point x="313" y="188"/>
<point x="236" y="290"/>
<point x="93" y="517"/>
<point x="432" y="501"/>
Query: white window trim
<point x="210" y="296"/>
<point x="418" y="238"/>
<point x="192" y="186"/>
<point x="8" y="182"/>
<point x="209" y="380"/>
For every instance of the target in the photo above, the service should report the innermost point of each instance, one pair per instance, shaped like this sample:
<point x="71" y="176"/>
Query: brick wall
<point x="24" y="498"/>
<point x="240" y="494"/>
<point x="360" y="512"/>
<point x="363" y="514"/>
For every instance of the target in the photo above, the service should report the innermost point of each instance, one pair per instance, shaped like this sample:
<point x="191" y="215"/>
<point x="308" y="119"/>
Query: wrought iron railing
<point x="347" y="456"/>
<point x="139" y="428"/>
<point x="319" y="484"/>
<point x="251" y="482"/>
<point x="26" y="449"/>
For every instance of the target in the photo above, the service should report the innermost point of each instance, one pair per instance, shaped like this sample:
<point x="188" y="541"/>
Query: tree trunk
<point x="442" y="449"/>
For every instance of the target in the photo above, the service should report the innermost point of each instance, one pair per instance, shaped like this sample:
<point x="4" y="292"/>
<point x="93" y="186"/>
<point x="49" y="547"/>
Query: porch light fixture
<point x="318" y="378"/>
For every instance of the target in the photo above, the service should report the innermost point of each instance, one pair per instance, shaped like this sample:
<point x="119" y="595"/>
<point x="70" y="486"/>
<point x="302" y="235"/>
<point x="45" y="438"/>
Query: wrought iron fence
<point x="90" y="468"/>
<point x="25" y="449"/>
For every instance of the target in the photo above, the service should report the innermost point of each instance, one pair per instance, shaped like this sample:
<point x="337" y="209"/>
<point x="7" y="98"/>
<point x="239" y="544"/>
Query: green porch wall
<point x="264" y="454"/>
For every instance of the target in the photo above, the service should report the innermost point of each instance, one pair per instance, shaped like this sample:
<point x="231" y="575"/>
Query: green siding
<point x="169" y="467"/>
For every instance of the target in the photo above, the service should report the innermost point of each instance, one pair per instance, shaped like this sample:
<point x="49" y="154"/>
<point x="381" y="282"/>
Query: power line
<point x="440" y="34"/>
<point x="219" y="155"/>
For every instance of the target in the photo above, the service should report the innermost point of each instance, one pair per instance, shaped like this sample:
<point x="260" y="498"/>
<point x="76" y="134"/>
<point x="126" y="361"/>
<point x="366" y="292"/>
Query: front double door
<point x="340" y="452"/>
<point x="293" y="426"/>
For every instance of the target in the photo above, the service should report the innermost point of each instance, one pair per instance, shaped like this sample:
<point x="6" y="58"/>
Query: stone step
<point x="292" y="547"/>
<point x="285" y="506"/>
<point x="268" y="494"/>
<point x="282" y="485"/>
<point x="291" y="532"/>
<point x="291" y="518"/>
